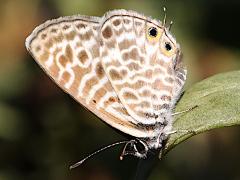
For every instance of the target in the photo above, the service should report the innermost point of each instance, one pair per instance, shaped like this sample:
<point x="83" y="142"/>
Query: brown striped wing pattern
<point x="141" y="65"/>
<point x="68" y="50"/>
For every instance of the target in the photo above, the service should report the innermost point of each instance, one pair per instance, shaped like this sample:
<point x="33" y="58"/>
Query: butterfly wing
<point x="144" y="80"/>
<point x="68" y="50"/>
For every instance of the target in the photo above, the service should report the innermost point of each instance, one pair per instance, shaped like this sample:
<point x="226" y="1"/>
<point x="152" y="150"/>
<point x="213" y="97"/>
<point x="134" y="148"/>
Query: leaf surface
<point x="218" y="105"/>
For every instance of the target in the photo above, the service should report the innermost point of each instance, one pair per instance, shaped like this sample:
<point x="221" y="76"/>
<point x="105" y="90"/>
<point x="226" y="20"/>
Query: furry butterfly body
<point x="124" y="67"/>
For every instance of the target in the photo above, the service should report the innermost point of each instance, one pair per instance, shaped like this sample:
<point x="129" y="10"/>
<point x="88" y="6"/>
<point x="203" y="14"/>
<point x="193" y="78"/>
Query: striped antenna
<point x="96" y="152"/>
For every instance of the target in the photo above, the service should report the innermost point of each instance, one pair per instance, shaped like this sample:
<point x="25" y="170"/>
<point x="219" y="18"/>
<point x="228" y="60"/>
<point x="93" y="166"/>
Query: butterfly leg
<point x="132" y="144"/>
<point x="187" y="110"/>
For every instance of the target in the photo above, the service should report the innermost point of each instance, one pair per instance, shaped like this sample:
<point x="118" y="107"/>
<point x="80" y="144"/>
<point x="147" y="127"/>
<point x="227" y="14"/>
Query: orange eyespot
<point x="153" y="34"/>
<point x="152" y="31"/>
<point x="168" y="46"/>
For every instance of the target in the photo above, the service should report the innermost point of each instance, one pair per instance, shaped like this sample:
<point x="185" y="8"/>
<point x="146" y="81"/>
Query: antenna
<point x="165" y="16"/>
<point x="170" y="26"/>
<point x="96" y="152"/>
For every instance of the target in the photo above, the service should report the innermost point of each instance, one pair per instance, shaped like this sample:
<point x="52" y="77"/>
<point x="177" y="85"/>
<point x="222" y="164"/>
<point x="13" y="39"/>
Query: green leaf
<point x="218" y="105"/>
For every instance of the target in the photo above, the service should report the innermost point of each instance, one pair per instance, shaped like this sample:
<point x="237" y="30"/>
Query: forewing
<point x="142" y="78"/>
<point x="68" y="50"/>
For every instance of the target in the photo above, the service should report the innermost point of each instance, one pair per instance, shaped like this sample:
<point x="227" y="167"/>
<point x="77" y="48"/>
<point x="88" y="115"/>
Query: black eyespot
<point x="168" y="46"/>
<point x="152" y="31"/>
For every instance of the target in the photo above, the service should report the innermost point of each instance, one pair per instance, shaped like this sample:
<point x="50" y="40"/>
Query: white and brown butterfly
<point x="124" y="67"/>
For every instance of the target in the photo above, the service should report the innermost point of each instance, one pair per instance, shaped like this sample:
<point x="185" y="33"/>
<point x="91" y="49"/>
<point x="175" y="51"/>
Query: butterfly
<point x="124" y="67"/>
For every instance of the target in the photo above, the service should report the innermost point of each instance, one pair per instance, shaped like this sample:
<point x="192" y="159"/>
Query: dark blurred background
<point x="43" y="130"/>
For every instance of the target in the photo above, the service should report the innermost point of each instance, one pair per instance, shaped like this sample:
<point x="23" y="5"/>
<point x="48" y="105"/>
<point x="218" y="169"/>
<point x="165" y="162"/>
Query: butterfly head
<point x="141" y="147"/>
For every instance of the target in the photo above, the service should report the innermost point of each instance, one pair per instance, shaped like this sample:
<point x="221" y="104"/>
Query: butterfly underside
<point x="124" y="67"/>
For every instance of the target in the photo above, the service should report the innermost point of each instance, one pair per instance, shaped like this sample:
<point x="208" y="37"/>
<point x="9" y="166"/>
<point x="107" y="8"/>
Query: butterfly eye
<point x="152" y="31"/>
<point x="168" y="46"/>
